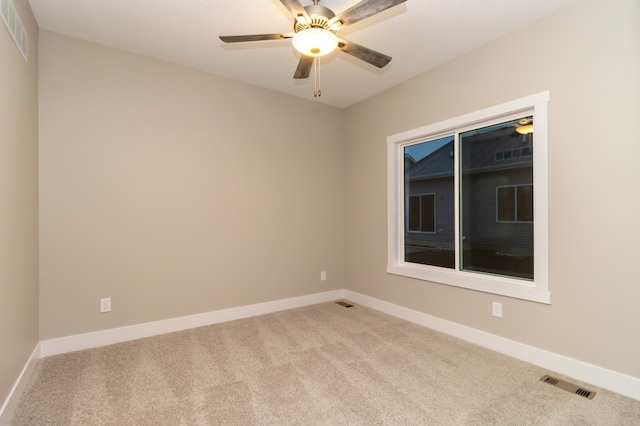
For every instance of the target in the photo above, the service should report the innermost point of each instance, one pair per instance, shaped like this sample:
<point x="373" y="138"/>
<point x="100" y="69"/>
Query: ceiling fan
<point x="315" y="30"/>
<point x="524" y="126"/>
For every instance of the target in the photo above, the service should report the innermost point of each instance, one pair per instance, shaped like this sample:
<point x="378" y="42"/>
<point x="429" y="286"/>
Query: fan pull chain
<point x="317" y="92"/>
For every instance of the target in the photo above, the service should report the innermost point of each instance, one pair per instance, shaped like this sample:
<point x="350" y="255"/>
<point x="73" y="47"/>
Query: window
<point x="514" y="203"/>
<point x="463" y="195"/>
<point x="421" y="213"/>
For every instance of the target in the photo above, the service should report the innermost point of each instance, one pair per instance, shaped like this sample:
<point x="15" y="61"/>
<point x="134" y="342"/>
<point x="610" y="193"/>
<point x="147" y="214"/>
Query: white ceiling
<point x="417" y="34"/>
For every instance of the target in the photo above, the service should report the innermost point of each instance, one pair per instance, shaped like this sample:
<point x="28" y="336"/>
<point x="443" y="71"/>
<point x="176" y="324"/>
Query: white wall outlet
<point x="497" y="309"/>
<point x="323" y="275"/>
<point x="105" y="305"/>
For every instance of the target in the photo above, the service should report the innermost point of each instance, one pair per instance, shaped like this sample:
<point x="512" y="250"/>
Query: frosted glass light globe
<point x="315" y="42"/>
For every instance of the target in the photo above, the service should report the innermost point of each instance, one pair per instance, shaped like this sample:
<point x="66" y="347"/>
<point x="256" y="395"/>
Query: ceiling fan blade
<point x="304" y="66"/>
<point x="297" y="10"/>
<point x="362" y="10"/>
<point x="364" y="53"/>
<point x="255" y="37"/>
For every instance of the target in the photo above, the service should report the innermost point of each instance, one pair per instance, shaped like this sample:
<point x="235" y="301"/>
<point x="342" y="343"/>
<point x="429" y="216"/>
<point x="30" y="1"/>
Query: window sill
<point x="485" y="283"/>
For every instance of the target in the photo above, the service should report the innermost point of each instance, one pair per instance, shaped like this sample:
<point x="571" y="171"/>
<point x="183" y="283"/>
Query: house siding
<point x="444" y="236"/>
<point x="480" y="227"/>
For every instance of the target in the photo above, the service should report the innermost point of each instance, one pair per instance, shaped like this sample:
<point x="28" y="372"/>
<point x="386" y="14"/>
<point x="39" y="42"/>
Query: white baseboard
<point x="122" y="334"/>
<point x="9" y="405"/>
<point x="616" y="382"/>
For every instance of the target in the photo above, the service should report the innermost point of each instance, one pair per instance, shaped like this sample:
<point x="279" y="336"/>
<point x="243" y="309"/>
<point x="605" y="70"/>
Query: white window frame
<point x="536" y="290"/>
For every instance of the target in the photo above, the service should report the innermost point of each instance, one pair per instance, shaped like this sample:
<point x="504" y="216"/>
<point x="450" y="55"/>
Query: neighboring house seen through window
<point x="421" y="213"/>
<point x="461" y="201"/>
<point x="514" y="203"/>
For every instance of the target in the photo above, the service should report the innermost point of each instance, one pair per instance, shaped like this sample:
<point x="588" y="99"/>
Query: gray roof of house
<point x="481" y="152"/>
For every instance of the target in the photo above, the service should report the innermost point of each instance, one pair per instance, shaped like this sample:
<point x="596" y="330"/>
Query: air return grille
<point x="14" y="25"/>
<point x="569" y="387"/>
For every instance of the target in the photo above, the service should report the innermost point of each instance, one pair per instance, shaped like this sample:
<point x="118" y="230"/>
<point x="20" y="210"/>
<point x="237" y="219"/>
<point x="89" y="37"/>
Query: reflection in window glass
<point x="496" y="201"/>
<point x="525" y="203"/>
<point x="506" y="204"/>
<point x="422" y="213"/>
<point x="429" y="200"/>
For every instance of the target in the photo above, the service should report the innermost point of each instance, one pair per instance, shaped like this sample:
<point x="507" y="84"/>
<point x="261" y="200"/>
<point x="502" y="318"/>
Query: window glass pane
<point x="414" y="213"/>
<point x="525" y="203"/>
<point x="428" y="174"/>
<point x="427" y="213"/>
<point x="491" y="182"/>
<point x="506" y="204"/>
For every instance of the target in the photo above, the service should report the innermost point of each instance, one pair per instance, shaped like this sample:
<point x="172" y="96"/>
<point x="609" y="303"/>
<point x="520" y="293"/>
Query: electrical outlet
<point x="105" y="305"/>
<point x="497" y="309"/>
<point x="323" y="275"/>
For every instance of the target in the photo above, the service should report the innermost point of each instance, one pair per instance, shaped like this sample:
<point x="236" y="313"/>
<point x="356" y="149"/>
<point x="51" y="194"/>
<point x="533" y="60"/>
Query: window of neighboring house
<point x="421" y="212"/>
<point x="514" y="203"/>
<point x="461" y="201"/>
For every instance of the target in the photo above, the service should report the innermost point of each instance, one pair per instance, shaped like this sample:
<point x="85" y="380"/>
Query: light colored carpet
<point x="317" y="365"/>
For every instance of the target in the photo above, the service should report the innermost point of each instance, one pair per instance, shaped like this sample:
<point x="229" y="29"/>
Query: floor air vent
<point x="569" y="387"/>
<point x="345" y="304"/>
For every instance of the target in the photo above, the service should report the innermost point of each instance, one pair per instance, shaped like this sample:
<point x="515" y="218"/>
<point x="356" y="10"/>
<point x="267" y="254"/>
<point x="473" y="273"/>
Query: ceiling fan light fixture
<point x="315" y="42"/>
<point x="525" y="129"/>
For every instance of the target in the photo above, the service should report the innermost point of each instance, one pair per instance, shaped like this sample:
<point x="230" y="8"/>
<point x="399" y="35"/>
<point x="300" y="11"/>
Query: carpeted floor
<point x="317" y="365"/>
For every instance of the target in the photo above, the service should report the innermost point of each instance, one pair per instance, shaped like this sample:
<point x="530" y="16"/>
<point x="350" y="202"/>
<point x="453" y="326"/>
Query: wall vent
<point x="569" y="387"/>
<point x="14" y="25"/>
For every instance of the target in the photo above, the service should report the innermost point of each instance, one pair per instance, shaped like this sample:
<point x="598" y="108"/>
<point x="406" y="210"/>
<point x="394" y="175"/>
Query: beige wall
<point x="175" y="192"/>
<point x="18" y="201"/>
<point x="588" y="56"/>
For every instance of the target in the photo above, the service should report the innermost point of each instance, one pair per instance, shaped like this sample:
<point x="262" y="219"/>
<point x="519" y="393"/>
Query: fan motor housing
<point x="319" y="15"/>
